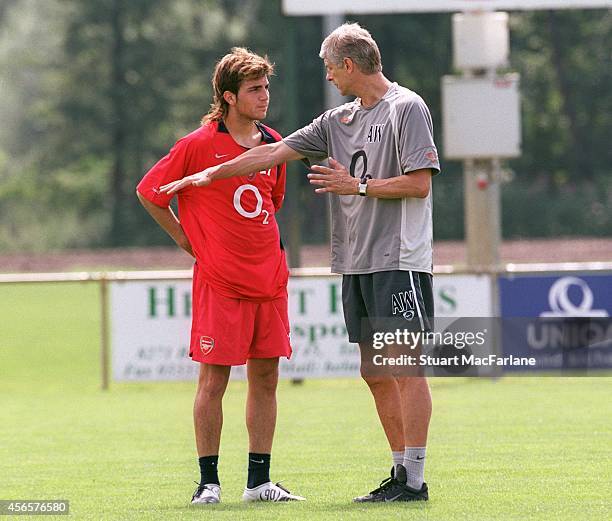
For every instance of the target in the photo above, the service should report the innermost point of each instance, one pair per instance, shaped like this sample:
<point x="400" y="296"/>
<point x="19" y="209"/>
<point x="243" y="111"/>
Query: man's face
<point x="253" y="98"/>
<point x="338" y="75"/>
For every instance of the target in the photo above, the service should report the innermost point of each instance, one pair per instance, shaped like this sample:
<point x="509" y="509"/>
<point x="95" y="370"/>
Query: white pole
<point x="482" y="213"/>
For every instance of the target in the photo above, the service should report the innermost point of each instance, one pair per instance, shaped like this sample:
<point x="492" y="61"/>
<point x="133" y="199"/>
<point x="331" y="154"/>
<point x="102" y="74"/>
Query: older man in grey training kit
<point x="381" y="160"/>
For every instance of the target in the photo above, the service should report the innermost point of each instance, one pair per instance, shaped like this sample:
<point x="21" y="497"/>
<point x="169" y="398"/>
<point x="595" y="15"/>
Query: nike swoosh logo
<point x="420" y="458"/>
<point x="393" y="498"/>
<point x="255" y="461"/>
<point x="219" y="156"/>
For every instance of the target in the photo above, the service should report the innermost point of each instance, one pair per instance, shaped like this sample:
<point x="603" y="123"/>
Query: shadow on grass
<point x="305" y="507"/>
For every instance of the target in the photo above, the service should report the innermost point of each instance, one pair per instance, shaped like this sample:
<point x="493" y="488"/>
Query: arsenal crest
<point x="206" y="344"/>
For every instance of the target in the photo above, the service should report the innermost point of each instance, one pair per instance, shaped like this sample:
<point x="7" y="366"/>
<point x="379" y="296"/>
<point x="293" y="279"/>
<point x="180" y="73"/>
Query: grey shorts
<point x="385" y="301"/>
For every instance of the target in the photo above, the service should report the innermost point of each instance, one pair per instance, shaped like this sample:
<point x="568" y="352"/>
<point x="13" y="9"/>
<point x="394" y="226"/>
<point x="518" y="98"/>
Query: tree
<point x="93" y="93"/>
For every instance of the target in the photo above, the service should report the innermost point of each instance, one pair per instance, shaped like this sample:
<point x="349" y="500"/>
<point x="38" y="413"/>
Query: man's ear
<point x="229" y="97"/>
<point x="349" y="64"/>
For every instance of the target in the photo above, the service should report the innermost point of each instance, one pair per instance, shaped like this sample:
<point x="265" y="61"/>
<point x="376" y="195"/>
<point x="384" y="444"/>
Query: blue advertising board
<point x="563" y="321"/>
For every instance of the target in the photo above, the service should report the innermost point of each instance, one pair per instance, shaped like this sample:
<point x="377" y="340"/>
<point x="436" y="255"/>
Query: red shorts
<point x="229" y="331"/>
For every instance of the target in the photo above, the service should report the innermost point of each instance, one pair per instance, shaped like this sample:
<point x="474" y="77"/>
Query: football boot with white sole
<point x="269" y="492"/>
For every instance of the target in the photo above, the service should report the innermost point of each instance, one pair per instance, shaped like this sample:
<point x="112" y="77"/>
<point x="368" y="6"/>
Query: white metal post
<point x="104" y="344"/>
<point x="482" y="213"/>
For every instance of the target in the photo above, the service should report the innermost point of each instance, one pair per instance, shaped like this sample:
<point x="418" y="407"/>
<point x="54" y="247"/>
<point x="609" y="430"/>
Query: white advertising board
<point x="150" y="326"/>
<point x="462" y="296"/>
<point x="324" y="7"/>
<point x="150" y="323"/>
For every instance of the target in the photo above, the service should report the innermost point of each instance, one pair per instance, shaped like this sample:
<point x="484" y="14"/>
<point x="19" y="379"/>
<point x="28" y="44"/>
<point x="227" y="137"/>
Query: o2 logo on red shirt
<point x="258" y="207"/>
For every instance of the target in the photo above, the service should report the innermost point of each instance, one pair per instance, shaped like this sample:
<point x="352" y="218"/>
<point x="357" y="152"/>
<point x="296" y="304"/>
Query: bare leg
<point x="386" y="393"/>
<point x="416" y="408"/>
<point x="262" y="374"/>
<point x="207" y="409"/>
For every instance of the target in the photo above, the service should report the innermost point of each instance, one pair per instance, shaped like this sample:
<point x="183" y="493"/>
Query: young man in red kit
<point x="240" y="272"/>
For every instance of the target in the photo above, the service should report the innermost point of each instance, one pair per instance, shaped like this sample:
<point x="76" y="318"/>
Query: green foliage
<point x="65" y="207"/>
<point x="566" y="78"/>
<point x="93" y="93"/>
<point x="448" y="208"/>
<point x="534" y="210"/>
<point x="529" y="209"/>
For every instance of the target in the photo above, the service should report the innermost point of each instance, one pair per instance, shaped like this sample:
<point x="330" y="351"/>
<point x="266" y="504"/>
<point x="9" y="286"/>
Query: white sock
<point x="414" y="461"/>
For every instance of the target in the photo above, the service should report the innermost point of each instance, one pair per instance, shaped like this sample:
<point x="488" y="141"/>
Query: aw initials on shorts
<point x="402" y="303"/>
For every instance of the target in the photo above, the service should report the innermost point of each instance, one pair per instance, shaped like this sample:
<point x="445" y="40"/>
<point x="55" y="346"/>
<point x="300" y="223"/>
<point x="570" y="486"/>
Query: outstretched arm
<point x="256" y="159"/>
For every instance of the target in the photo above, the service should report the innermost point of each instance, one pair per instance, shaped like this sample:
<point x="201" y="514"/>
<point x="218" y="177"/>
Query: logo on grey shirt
<point x="375" y="133"/>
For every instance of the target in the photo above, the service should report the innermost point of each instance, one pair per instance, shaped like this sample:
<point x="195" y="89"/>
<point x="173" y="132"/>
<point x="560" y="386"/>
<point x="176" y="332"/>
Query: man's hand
<point x="335" y="180"/>
<point x="203" y="178"/>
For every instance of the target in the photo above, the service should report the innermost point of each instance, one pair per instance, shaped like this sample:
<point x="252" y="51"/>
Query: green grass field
<point x="516" y="448"/>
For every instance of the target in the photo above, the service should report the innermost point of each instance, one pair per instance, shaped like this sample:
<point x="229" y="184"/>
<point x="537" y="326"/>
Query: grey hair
<point x="352" y="41"/>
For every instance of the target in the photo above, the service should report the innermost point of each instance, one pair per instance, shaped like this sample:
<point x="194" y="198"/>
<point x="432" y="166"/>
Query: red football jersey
<point x="231" y="223"/>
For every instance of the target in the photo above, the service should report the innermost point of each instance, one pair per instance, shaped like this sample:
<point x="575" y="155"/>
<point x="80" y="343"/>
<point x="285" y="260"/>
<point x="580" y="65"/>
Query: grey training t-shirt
<point x="394" y="137"/>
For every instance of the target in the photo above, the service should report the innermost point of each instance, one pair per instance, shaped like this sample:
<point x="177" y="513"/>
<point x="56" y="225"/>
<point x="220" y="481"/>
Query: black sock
<point x="259" y="469"/>
<point x="208" y="470"/>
